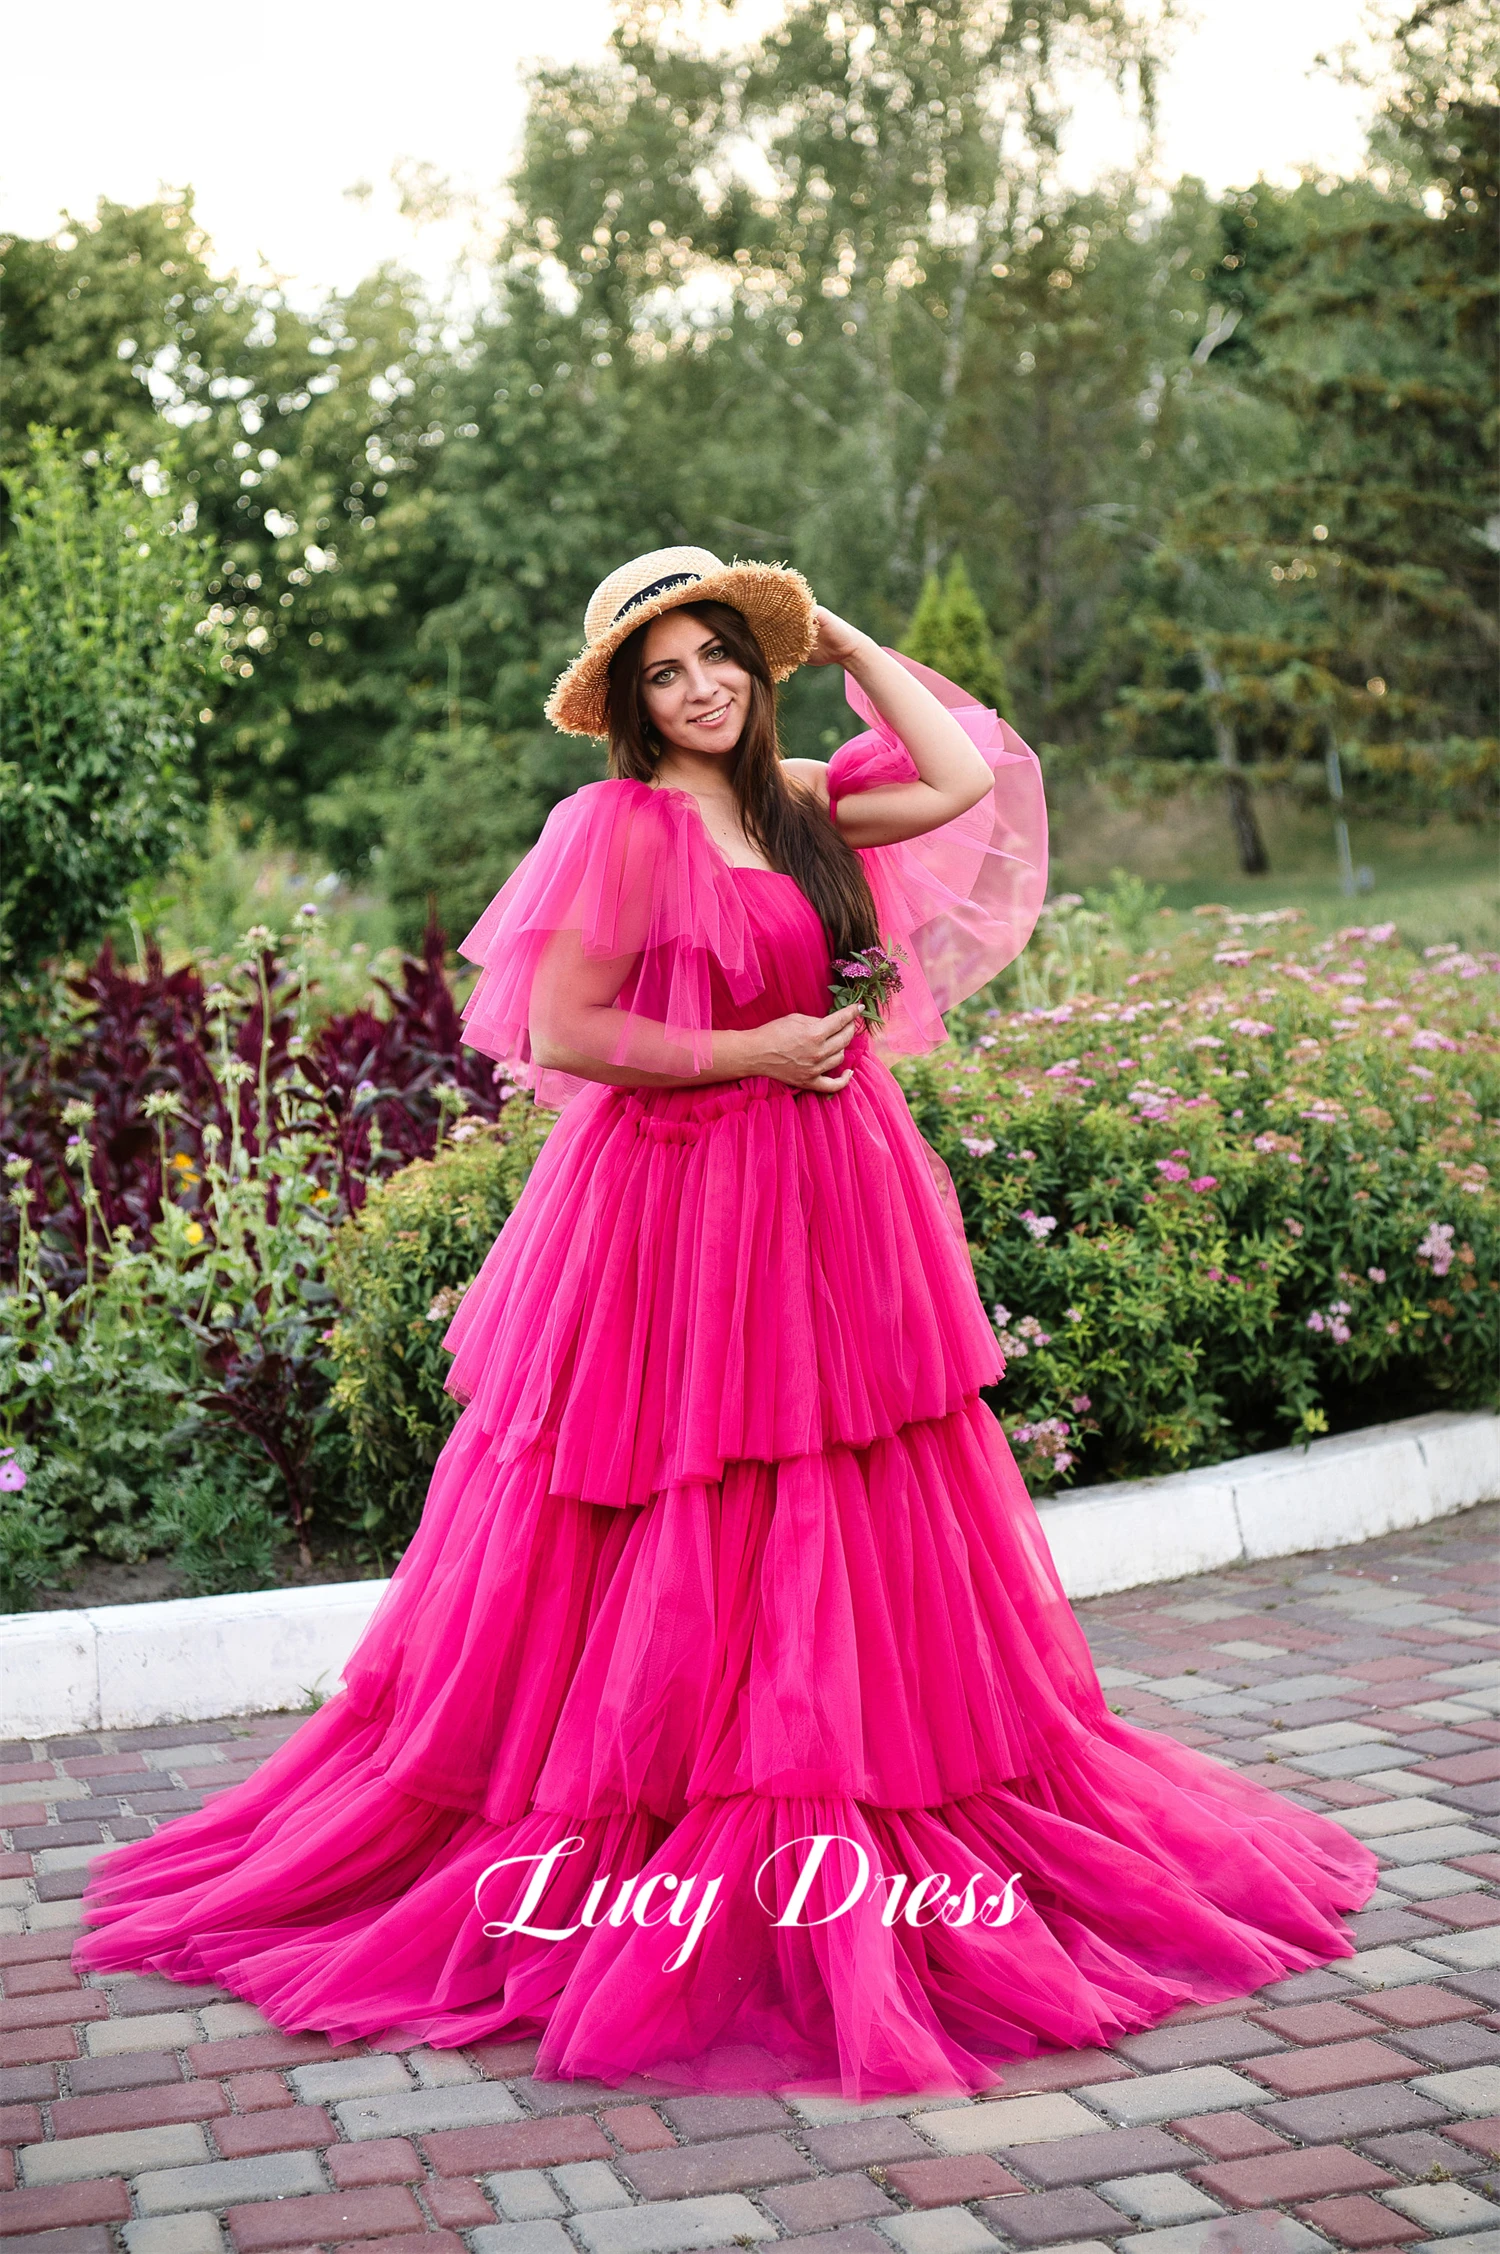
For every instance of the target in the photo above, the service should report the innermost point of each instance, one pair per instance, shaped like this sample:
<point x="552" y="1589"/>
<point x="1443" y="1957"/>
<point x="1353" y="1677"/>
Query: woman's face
<point x="696" y="697"/>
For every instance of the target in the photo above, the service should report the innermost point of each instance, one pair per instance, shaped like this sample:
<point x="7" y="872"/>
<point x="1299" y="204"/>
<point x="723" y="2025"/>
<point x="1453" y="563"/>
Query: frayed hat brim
<point x="776" y="601"/>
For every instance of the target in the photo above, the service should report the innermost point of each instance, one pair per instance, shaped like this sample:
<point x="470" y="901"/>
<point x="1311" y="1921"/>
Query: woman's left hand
<point x="838" y="642"/>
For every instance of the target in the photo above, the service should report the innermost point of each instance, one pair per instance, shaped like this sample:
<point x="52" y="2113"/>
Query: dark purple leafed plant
<point x="380" y="1083"/>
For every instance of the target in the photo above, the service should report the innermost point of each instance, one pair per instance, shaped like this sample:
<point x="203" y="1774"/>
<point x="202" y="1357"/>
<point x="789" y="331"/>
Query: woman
<point x="725" y="1720"/>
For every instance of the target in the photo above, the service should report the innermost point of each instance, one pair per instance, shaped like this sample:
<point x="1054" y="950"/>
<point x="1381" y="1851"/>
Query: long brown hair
<point x="793" y="833"/>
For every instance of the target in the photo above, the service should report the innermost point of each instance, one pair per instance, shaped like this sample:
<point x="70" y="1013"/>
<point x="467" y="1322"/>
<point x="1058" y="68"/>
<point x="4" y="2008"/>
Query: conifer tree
<point x="950" y="632"/>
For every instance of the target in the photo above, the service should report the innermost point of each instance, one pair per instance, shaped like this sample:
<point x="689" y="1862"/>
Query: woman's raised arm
<point x="953" y="775"/>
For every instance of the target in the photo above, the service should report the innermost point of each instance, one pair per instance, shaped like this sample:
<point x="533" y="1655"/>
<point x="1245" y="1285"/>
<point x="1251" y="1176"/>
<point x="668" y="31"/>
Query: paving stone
<point x="279" y="2175"/>
<point x="454" y="2202"/>
<point x="123" y="2152"/>
<point x="293" y="2128"/>
<point x="326" y="2216"/>
<point x="1416" y="2152"/>
<point x="1459" y="2043"/>
<point x="167" y="2030"/>
<point x="1228" y="2136"/>
<point x="62" y="2206"/>
<point x="1378" y="1929"/>
<point x="135" y="2109"/>
<point x="948" y="2183"/>
<point x="1387" y="1817"/>
<point x="1352" y="2113"/>
<point x="525" y="2195"/>
<point x="1445" y="2207"/>
<point x="440" y="2070"/>
<point x="1467" y="2242"/>
<point x="588" y="2184"/>
<point x="941" y="2230"/>
<point x="335" y="2079"/>
<point x="1202" y="2042"/>
<point x="1057" y="2070"/>
<point x="1478" y="2136"/>
<point x="1314" y="2023"/>
<point x="1483" y="1986"/>
<point x="174" y="2234"/>
<point x="1478" y="1951"/>
<point x="850" y="2238"/>
<point x="1418" y="2006"/>
<point x="1157" y="2097"/>
<point x="388" y="2160"/>
<point x="83" y="2238"/>
<point x="663" y="2227"/>
<point x="524" y="2238"/>
<point x="818" y="2110"/>
<point x="1232" y="2234"/>
<point x="516" y="2144"/>
<point x="828" y="2201"/>
<point x="715" y="2116"/>
<point x="1463" y="1909"/>
<point x="420" y="2112"/>
<point x="723" y="2164"/>
<point x="238" y="2054"/>
<point x="1008" y="2121"/>
<point x="1332" y="2066"/>
<point x="1357" y="2220"/>
<point x="863" y="2144"/>
<point x="1323" y="1737"/>
<point x="1046" y="2218"/>
<point x="1278" y="2176"/>
<point x="1387" y="1968"/>
<point x="132" y="2070"/>
<point x="233" y="2018"/>
<point x="1159" y="2200"/>
<point x="1472" y="2089"/>
<point x="637" y="2128"/>
<point x="1110" y="2152"/>
<point x="1434" y="1846"/>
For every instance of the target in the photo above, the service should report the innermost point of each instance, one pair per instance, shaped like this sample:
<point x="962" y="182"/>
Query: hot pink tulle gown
<point x="727" y="1583"/>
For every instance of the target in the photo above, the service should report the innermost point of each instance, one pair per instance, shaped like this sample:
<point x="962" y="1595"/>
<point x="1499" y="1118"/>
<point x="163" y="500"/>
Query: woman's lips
<point x="711" y="719"/>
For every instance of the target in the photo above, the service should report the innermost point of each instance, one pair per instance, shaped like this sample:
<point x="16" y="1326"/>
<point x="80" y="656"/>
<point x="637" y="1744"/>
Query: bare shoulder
<point x="810" y="776"/>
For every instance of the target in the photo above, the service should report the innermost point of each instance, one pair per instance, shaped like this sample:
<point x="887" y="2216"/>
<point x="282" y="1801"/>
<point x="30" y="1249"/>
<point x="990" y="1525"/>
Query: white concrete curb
<point x="129" y="1666"/>
<point x="1325" y="1496"/>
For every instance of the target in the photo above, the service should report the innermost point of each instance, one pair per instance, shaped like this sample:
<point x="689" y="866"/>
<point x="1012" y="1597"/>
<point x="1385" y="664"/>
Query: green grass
<point x="1437" y="881"/>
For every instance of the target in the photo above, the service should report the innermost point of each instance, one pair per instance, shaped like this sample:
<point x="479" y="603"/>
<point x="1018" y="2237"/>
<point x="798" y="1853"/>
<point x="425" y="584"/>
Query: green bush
<point x="1253" y="1209"/>
<point x="398" y="1270"/>
<point x="100" y="668"/>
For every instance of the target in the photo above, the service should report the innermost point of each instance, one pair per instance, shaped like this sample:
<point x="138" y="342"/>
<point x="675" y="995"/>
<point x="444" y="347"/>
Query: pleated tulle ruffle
<point x="694" y="1278"/>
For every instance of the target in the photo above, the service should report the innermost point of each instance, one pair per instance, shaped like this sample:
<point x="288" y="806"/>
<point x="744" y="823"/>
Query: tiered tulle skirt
<point x="726" y="1559"/>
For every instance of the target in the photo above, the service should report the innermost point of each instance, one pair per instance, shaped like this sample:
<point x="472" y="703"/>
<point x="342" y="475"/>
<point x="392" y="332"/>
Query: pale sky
<point x="273" y="121"/>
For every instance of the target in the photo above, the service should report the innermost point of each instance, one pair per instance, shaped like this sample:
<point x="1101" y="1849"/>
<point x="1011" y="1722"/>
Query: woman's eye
<point x="716" y="655"/>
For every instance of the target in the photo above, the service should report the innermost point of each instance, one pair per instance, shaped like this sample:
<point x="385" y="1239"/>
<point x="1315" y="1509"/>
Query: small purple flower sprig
<point x="869" y="978"/>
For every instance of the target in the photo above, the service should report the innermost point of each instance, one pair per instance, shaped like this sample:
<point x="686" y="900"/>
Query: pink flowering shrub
<point x="1252" y="1200"/>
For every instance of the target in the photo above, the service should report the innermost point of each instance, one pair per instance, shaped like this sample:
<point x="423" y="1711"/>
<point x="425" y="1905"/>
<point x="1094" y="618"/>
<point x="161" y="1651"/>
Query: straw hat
<point x="776" y="600"/>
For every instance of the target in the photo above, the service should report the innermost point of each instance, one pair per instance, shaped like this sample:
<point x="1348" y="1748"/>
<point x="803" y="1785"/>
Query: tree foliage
<point x="824" y="297"/>
<point x="100" y="666"/>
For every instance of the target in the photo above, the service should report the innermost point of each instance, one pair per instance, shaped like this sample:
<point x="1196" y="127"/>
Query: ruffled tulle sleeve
<point x="962" y="900"/>
<point x="629" y="873"/>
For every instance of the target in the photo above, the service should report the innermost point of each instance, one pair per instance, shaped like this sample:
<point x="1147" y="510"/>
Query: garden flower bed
<point x="1224" y="1192"/>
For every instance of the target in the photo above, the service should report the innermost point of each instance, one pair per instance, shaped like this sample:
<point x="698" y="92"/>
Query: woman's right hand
<point x="806" y="1052"/>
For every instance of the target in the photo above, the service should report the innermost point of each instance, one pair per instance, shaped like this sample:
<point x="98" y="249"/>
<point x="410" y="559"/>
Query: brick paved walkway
<point x="1353" y="2108"/>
